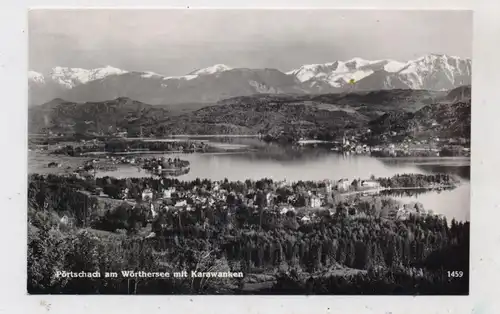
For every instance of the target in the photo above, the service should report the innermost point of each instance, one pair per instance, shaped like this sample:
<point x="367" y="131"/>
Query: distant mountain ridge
<point x="386" y="111"/>
<point x="217" y="82"/>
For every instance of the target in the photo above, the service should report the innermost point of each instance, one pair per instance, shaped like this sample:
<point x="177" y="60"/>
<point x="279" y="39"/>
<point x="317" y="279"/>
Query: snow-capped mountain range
<point x="339" y="73"/>
<point x="71" y="77"/>
<point x="432" y="72"/>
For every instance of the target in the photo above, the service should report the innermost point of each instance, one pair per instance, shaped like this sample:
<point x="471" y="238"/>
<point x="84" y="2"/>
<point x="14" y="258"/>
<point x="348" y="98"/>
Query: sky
<point x="176" y="42"/>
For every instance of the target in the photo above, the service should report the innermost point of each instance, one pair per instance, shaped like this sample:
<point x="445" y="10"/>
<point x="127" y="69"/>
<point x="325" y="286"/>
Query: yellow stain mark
<point x="352" y="81"/>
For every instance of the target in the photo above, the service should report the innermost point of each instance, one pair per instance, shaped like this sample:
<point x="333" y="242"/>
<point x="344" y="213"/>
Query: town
<point x="152" y="198"/>
<point x="407" y="147"/>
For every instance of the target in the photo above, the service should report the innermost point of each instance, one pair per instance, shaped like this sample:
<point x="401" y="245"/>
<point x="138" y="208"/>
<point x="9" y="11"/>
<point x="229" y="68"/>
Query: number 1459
<point x="455" y="274"/>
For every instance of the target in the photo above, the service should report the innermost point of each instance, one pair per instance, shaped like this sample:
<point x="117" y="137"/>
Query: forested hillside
<point x="278" y="253"/>
<point x="100" y="117"/>
<point x="441" y="120"/>
<point x="412" y="112"/>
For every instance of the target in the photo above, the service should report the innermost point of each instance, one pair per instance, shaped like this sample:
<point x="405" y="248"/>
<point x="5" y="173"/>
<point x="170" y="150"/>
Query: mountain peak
<point x="436" y="56"/>
<point x="150" y="74"/>
<point x="441" y="55"/>
<point x="70" y="77"/>
<point x="123" y="99"/>
<point x="108" y="70"/>
<point x="216" y="68"/>
<point x="360" y="61"/>
<point x="393" y="66"/>
<point x="36" y="77"/>
<point x="355" y="59"/>
<point x="58" y="100"/>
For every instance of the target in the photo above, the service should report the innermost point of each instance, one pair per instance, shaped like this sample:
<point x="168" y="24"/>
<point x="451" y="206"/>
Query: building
<point x="64" y="220"/>
<point x="343" y="185"/>
<point x="402" y="215"/>
<point x="305" y="219"/>
<point x="315" y="201"/>
<point x="285" y="210"/>
<point x="97" y="191"/>
<point x="392" y="149"/>
<point x="329" y="199"/>
<point x="181" y="203"/>
<point x="328" y="187"/>
<point x="153" y="211"/>
<point x="147" y="195"/>
<point x="167" y="193"/>
<point x="124" y="193"/>
<point x="370" y="184"/>
<point x="269" y="199"/>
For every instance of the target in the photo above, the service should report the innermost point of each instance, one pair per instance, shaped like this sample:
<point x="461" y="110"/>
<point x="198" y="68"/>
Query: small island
<point x="163" y="164"/>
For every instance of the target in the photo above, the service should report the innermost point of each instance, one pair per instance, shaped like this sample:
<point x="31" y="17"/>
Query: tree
<point x="117" y="218"/>
<point x="354" y="184"/>
<point x="46" y="255"/>
<point x="112" y="191"/>
<point x="361" y="255"/>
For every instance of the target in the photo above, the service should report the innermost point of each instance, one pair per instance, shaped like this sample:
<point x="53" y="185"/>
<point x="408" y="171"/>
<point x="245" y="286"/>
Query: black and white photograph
<point x="248" y="151"/>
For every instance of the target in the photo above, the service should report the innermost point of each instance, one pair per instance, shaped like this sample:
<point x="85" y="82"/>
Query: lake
<point x="278" y="163"/>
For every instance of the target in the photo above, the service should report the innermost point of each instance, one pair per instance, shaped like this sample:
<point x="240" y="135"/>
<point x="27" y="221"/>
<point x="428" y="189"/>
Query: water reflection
<point x="459" y="166"/>
<point x="453" y="203"/>
<point x="461" y="171"/>
<point x="138" y="172"/>
<point x="413" y="192"/>
<point x="169" y="173"/>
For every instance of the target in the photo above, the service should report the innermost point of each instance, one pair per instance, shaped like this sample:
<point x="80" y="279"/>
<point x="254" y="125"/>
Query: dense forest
<point x="417" y="180"/>
<point x="118" y="146"/>
<point x="279" y="253"/>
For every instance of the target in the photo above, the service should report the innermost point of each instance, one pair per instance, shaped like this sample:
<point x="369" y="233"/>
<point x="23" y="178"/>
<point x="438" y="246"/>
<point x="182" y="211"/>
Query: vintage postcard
<point x="237" y="152"/>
